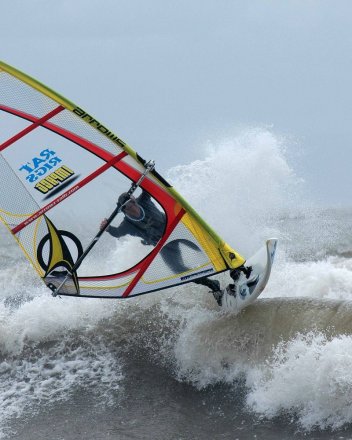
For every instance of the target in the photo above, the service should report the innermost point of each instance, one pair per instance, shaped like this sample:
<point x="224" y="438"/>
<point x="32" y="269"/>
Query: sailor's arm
<point x="115" y="231"/>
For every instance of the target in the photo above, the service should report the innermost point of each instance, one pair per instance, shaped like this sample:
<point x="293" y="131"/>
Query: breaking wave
<point x="291" y="349"/>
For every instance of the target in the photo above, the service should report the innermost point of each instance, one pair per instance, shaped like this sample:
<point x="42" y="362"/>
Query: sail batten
<point x="31" y="127"/>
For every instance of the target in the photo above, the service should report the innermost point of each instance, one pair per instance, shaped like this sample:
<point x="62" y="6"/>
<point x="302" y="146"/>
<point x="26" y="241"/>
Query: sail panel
<point x="180" y="256"/>
<point x="10" y="126"/>
<point x="16" y="204"/>
<point x="26" y="99"/>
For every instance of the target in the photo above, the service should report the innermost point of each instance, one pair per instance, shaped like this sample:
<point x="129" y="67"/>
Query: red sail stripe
<point x="69" y="192"/>
<point x="148" y="261"/>
<point x="158" y="193"/>
<point x="31" y="127"/>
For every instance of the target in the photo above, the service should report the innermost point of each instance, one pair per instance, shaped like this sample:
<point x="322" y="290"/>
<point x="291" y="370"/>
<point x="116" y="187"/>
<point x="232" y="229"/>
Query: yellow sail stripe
<point x="10" y="214"/>
<point x="56" y="248"/>
<point x="37" y="224"/>
<point x="82" y="286"/>
<point x="37" y="85"/>
<point x="219" y="253"/>
<point x="206" y="241"/>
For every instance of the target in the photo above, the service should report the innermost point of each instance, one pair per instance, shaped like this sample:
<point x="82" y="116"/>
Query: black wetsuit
<point x="151" y="228"/>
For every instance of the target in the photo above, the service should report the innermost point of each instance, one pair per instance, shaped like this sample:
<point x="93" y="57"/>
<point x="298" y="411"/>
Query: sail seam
<point x="32" y="127"/>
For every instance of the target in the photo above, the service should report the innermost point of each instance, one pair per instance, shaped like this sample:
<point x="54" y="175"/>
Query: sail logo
<point x="40" y="170"/>
<point x="96" y="124"/>
<point x="54" y="179"/>
<point x="203" y="272"/>
<point x="60" y="260"/>
<point x="40" y="165"/>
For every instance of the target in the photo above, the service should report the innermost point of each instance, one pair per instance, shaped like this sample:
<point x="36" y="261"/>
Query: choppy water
<point x="171" y="365"/>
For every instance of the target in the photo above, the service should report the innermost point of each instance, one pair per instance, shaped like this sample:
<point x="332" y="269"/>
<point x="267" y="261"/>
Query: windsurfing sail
<point x="62" y="172"/>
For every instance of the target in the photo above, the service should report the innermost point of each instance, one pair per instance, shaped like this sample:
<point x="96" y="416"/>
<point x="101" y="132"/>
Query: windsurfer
<point x="143" y="219"/>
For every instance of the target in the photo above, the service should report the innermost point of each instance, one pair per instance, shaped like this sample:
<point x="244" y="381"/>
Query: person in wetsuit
<point x="143" y="219"/>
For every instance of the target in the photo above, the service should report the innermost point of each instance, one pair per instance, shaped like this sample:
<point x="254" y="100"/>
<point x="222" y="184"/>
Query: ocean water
<point x="172" y="365"/>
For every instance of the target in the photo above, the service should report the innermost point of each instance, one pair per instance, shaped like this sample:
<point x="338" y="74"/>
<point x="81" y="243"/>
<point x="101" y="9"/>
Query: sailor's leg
<point x="171" y="254"/>
<point x="172" y="257"/>
<point x="213" y="285"/>
<point x="231" y="289"/>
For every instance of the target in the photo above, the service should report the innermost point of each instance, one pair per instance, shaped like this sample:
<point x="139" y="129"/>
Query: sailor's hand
<point x="103" y="224"/>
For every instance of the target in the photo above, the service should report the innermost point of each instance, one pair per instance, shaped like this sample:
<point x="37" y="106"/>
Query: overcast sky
<point x="168" y="76"/>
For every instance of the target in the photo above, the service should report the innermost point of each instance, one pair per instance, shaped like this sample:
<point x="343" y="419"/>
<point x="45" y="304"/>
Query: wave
<point x="290" y="349"/>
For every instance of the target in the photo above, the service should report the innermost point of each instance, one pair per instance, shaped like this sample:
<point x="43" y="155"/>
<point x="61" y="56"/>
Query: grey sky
<point x="170" y="75"/>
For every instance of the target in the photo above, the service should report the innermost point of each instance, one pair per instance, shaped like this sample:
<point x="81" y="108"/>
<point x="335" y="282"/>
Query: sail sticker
<point x="40" y="165"/>
<point x="54" y="179"/>
<point x="68" y="193"/>
<point x="96" y="124"/>
<point x="59" y="259"/>
<point x="203" y="272"/>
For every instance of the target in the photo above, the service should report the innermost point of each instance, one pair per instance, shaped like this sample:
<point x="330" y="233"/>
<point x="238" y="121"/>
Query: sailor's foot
<point x="236" y="273"/>
<point x="231" y="290"/>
